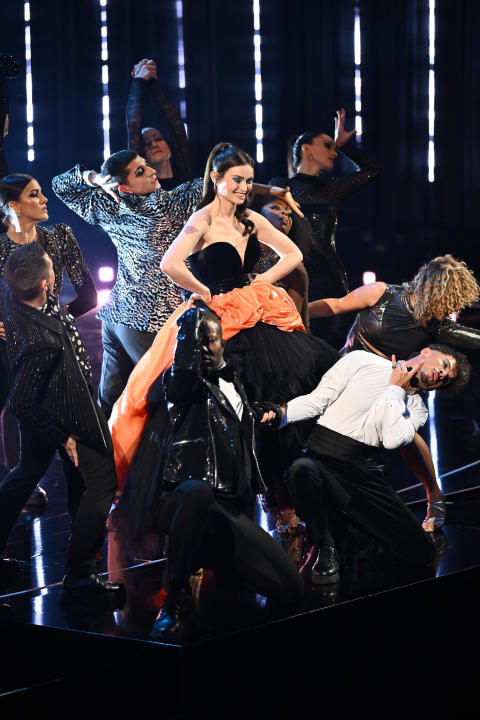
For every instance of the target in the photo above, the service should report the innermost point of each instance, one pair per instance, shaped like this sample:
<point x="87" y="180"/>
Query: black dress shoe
<point x="38" y="499"/>
<point x="91" y="588"/>
<point x="9" y="569"/>
<point x="171" y="621"/>
<point x="326" y="569"/>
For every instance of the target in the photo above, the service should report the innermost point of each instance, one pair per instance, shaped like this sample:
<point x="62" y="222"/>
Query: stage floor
<point x="39" y="543"/>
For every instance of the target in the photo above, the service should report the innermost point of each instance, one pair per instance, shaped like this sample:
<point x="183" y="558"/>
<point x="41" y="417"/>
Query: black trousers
<point x="204" y="531"/>
<point x="340" y="475"/>
<point x="122" y="349"/>
<point x="100" y="480"/>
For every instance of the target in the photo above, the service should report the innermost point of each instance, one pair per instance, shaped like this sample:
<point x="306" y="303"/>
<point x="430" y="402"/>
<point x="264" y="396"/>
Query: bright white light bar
<point x="28" y="83"/>
<point x="257" y="57"/>
<point x="357" y="54"/>
<point x="105" y="96"/>
<point x="369" y="277"/>
<point x="431" y="93"/>
<point x="181" y="63"/>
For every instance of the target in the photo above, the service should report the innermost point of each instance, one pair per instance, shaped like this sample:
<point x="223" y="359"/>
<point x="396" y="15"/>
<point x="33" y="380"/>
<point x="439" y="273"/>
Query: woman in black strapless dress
<point x="265" y="336"/>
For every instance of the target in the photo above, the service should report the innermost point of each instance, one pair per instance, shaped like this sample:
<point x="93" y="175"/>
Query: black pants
<point x="324" y="484"/>
<point x="100" y="480"/>
<point x="204" y="531"/>
<point x="122" y="349"/>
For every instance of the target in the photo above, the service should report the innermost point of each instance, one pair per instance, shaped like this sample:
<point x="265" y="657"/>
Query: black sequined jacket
<point x="207" y="440"/>
<point x="390" y="327"/>
<point x="48" y="389"/>
<point x="178" y="136"/>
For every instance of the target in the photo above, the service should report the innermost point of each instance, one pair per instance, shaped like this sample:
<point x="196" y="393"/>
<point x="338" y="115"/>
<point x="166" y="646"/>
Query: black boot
<point x="90" y="589"/>
<point x="326" y="569"/>
<point x="171" y="621"/>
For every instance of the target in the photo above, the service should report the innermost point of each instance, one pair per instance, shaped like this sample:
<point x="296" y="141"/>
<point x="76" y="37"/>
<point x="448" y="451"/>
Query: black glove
<point x="260" y="408"/>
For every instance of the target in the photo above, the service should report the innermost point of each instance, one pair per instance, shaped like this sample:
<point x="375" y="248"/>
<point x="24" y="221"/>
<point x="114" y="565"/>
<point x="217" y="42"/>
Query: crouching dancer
<point x="210" y="474"/>
<point x="52" y="396"/>
<point x="362" y="402"/>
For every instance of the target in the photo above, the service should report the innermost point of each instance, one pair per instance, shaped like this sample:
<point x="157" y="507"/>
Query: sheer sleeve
<point x="134" y="114"/>
<point x="368" y="171"/>
<point x="179" y="142"/>
<point x="78" y="273"/>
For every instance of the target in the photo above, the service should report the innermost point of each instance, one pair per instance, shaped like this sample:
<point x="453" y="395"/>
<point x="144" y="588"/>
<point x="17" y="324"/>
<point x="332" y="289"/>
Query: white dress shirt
<point x="354" y="399"/>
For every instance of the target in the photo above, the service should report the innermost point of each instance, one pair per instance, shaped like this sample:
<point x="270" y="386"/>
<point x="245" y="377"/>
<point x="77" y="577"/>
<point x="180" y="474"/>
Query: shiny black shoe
<point x="170" y="624"/>
<point x="93" y="588"/>
<point x="9" y="570"/>
<point x="326" y="569"/>
<point x="38" y="499"/>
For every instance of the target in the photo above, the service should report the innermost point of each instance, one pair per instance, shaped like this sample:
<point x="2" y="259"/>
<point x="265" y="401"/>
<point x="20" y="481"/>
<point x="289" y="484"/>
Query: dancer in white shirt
<point x="362" y="403"/>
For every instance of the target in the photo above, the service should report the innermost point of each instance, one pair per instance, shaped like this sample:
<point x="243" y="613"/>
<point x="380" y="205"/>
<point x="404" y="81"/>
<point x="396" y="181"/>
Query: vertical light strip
<point x="257" y="56"/>
<point x="433" y="433"/>
<point x="28" y="81"/>
<point x="431" y="92"/>
<point x="38" y="571"/>
<point x="181" y="63"/>
<point x="357" y="50"/>
<point x="105" y="95"/>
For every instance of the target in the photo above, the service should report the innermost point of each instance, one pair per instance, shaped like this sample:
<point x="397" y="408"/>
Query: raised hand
<point x="287" y="196"/>
<point x="108" y="187"/>
<point x="401" y="374"/>
<point x="145" y="69"/>
<point x="341" y="135"/>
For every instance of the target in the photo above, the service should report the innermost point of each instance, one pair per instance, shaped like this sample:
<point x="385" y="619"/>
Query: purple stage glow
<point x="369" y="277"/>
<point x="103" y="297"/>
<point x="106" y="274"/>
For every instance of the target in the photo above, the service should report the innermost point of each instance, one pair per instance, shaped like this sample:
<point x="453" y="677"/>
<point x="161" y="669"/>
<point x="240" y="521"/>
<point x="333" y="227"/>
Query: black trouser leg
<point x="122" y="349"/>
<point x="35" y="457"/>
<point x="306" y="487"/>
<point x="88" y="531"/>
<point x="203" y="532"/>
<point x="75" y="484"/>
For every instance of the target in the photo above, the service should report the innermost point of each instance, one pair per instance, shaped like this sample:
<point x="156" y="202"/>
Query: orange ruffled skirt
<point x="238" y="309"/>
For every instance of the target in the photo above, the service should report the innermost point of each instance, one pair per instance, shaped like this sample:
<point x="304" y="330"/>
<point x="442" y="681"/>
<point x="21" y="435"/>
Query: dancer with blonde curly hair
<point x="400" y="320"/>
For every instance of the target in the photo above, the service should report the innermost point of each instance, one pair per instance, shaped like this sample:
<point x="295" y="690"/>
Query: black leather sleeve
<point x="452" y="333"/>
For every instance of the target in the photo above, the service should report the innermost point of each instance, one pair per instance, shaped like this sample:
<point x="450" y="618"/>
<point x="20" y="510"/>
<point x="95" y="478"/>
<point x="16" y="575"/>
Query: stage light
<point x="106" y="273"/>
<point x="369" y="277"/>
<point x="28" y="83"/>
<point x="103" y="297"/>
<point x="431" y="93"/>
<point x="257" y="57"/>
<point x="105" y="74"/>
<point x="181" y="63"/>
<point x="357" y="54"/>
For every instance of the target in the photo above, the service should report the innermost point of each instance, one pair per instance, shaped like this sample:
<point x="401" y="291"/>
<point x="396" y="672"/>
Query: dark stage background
<point x="307" y="71"/>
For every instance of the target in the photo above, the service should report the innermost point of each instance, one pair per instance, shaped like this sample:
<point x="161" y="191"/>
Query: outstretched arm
<point x="358" y="299"/>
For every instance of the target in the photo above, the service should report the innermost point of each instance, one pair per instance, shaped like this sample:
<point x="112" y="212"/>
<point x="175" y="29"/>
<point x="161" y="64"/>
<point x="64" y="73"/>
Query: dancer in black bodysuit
<point x="311" y="154"/>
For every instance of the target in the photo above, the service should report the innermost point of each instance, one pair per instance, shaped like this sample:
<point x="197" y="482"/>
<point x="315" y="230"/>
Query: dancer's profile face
<point x="31" y="204"/>
<point x="141" y="178"/>
<point x="321" y="151"/>
<point x="235" y="184"/>
<point x="438" y="369"/>
<point x="212" y="345"/>
<point x="279" y="214"/>
<point x="156" y="147"/>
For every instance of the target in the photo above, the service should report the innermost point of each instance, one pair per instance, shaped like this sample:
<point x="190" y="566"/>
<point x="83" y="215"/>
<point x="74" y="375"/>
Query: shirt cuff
<point x="395" y="393"/>
<point x="284" y="419"/>
<point x="85" y="174"/>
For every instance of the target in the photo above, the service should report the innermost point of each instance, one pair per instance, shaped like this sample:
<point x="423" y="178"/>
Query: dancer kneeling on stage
<point x="52" y="396"/>
<point x="210" y="475"/>
<point x="362" y="402"/>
